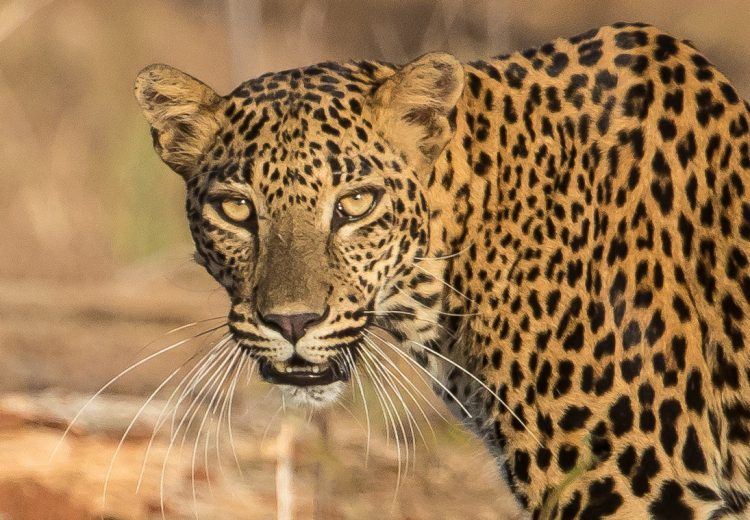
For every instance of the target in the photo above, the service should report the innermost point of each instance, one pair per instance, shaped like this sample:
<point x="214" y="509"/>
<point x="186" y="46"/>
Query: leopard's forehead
<point x="314" y="84"/>
<point x="304" y="130"/>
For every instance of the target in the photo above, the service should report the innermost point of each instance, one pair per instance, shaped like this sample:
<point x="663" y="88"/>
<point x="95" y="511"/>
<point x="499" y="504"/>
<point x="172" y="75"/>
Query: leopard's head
<point x="306" y="202"/>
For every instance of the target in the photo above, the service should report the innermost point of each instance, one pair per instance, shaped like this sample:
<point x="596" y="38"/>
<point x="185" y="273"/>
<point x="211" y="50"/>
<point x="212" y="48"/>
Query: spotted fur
<point x="570" y="223"/>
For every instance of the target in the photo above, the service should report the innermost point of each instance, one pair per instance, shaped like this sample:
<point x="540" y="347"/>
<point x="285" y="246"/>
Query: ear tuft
<point x="413" y="106"/>
<point x="183" y="113"/>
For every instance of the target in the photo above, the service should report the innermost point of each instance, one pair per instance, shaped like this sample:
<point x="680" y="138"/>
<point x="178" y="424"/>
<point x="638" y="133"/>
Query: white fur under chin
<point x="312" y="396"/>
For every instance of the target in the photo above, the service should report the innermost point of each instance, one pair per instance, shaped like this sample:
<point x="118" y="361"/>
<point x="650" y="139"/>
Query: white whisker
<point x="118" y="376"/>
<point x="355" y="372"/>
<point x="446" y="257"/>
<point x="228" y="402"/>
<point x="411" y="384"/>
<point x="480" y="382"/>
<point x="229" y="421"/>
<point x="449" y="286"/>
<point x="226" y="370"/>
<point x="442" y="313"/>
<point x="375" y="378"/>
<point x="412" y="315"/>
<point x="216" y="361"/>
<point x="410" y="421"/>
<point x="423" y="369"/>
<point x="127" y="432"/>
<point x="163" y="414"/>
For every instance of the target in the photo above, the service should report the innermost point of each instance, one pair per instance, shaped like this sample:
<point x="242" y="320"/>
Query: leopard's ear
<point x="413" y="107"/>
<point x="183" y="113"/>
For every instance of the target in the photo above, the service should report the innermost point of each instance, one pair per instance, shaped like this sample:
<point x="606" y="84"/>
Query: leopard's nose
<point x="291" y="326"/>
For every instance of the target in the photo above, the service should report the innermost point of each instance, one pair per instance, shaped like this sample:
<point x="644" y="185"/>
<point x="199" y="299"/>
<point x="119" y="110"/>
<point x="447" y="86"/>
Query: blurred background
<point x="95" y="258"/>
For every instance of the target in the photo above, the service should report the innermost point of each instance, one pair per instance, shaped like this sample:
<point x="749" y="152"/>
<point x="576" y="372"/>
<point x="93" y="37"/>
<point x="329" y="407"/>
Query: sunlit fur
<point x="562" y="241"/>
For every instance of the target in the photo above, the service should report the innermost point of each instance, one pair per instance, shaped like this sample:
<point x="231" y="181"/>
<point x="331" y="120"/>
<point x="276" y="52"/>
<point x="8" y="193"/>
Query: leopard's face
<point x="302" y="206"/>
<point x="305" y="232"/>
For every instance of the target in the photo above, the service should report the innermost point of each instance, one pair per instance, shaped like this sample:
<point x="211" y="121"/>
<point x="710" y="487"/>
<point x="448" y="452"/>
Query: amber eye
<point x="236" y="210"/>
<point x="356" y="205"/>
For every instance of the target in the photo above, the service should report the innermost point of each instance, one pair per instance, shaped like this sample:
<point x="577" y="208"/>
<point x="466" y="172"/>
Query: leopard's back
<point x="598" y="187"/>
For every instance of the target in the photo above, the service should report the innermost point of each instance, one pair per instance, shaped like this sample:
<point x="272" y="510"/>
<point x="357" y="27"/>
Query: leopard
<point x="559" y="237"/>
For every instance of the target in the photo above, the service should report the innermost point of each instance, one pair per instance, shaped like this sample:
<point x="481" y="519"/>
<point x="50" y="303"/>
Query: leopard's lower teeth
<point x="297" y="370"/>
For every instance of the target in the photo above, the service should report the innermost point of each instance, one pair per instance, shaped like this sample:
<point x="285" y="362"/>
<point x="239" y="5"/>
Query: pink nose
<point x="291" y="326"/>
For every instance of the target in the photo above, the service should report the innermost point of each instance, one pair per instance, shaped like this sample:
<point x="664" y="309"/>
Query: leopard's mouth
<point x="299" y="372"/>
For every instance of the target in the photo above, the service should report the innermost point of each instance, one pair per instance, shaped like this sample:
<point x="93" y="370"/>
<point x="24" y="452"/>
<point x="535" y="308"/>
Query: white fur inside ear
<point x="183" y="113"/>
<point x="413" y="106"/>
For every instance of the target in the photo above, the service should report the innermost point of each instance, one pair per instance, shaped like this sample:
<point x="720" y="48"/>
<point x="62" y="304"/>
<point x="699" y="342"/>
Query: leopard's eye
<point x="236" y="210"/>
<point x="356" y="205"/>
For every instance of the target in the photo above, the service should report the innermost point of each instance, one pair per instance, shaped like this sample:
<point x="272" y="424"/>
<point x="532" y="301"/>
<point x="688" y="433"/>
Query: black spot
<point x="647" y="421"/>
<point x="559" y="62"/>
<point x="681" y="308"/>
<point x="701" y="492"/>
<point x="632" y="335"/>
<point x="605" y="346"/>
<point x="686" y="148"/>
<point x="707" y="107"/>
<point x="542" y="379"/>
<point x="725" y="371"/>
<point x="574" y="341"/>
<point x="565" y="369"/>
<point x="603" y="500"/>
<point x="515" y="74"/>
<point x="590" y="53"/>
<point x="571" y="509"/>
<point x="635" y="62"/>
<point x="567" y="457"/>
<point x="669" y="411"/>
<point x="666" y="46"/>
<point x="692" y="454"/>
<point x="574" y="418"/>
<point x="655" y="328"/>
<point x="686" y="229"/>
<point x="729" y="93"/>
<point x="521" y="466"/>
<point x="604" y="383"/>
<point x="638" y="100"/>
<point x="674" y="101"/>
<point x="648" y="468"/>
<point x="545" y="425"/>
<point x="646" y="394"/>
<point x="631" y="368"/>
<point x="627" y="40"/>
<point x="596" y="314"/>
<point x="627" y="460"/>
<point x="667" y="129"/>
<point x="475" y="84"/>
<point x="670" y="505"/>
<point x="509" y="111"/>
<point x="543" y="458"/>
<point x="621" y="416"/>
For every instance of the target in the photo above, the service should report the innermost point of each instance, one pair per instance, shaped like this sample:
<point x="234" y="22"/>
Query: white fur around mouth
<point x="313" y="396"/>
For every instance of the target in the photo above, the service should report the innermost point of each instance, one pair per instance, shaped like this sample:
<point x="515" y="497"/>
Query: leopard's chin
<point x="315" y="396"/>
